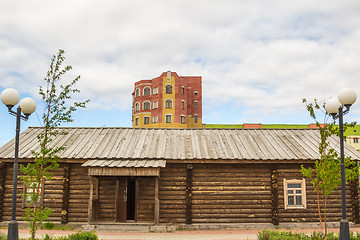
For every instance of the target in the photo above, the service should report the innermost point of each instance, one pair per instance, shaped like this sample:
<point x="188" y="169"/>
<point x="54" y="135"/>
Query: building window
<point x="146" y="105"/>
<point x="137" y="93"/>
<point x="137" y="107"/>
<point x="155" y="105"/>
<point x="168" y="89"/>
<point x="294" y="194"/>
<point x="155" y="119"/>
<point x="136" y="121"/>
<point x="146" y="120"/>
<point x="30" y="190"/>
<point x="147" y="91"/>
<point x="182" y="104"/>
<point x="182" y="119"/>
<point x="168" y="103"/>
<point x="168" y="118"/>
<point x="356" y="140"/>
<point x="196" y="118"/>
<point x="195" y="92"/>
<point x="155" y="90"/>
<point x="182" y="90"/>
<point x="196" y="104"/>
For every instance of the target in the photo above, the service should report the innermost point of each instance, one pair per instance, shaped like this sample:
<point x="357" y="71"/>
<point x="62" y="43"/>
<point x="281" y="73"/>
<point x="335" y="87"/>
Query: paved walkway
<point x="178" y="235"/>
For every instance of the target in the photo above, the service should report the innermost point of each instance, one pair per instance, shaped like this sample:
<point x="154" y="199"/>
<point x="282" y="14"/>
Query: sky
<point x="257" y="59"/>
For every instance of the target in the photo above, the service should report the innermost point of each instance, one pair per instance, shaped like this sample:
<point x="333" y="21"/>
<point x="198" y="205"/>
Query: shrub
<point x="49" y="225"/>
<point x="284" y="235"/>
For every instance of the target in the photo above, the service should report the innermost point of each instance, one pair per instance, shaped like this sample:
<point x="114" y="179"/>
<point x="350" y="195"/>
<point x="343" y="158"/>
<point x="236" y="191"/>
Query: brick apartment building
<point x="169" y="101"/>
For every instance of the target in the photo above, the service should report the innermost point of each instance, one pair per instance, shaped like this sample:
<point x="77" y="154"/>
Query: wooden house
<point x="179" y="176"/>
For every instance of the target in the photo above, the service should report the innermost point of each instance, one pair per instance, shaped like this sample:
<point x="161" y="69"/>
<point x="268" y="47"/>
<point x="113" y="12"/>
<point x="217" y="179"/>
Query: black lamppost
<point x="334" y="107"/>
<point x="10" y="97"/>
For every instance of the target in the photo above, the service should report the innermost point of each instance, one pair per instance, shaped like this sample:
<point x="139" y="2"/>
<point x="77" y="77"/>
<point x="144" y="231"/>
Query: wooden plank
<point x="90" y="207"/>
<point x="157" y="202"/>
<point x="189" y="176"/>
<point x="101" y="171"/>
<point x="274" y="196"/>
<point x="66" y="192"/>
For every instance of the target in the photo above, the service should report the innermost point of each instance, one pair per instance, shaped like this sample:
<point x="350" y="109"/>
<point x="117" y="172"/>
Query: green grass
<point x="285" y="235"/>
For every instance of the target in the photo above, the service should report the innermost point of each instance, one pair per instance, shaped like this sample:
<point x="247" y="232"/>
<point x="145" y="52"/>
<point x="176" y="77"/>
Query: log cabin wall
<point x="107" y="190"/>
<point x="231" y="193"/>
<point x="172" y="193"/>
<point x="53" y="194"/>
<point x="78" y="194"/>
<point x="310" y="214"/>
<point x="146" y="199"/>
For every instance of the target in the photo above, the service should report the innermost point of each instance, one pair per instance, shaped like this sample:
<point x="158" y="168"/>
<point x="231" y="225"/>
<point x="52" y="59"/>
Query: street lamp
<point x="10" y="97"/>
<point x="334" y="107"/>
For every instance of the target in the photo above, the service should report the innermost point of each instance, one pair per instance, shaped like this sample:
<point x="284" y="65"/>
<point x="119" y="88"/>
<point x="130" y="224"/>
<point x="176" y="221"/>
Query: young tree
<point x="57" y="110"/>
<point x="325" y="176"/>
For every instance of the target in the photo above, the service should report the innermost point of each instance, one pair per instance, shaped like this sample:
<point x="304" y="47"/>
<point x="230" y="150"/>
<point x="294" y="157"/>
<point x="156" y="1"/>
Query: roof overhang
<point x="124" y="167"/>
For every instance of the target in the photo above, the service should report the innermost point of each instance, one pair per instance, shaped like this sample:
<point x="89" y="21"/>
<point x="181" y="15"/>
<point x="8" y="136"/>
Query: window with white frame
<point x="155" y="90"/>
<point x="182" y="104"/>
<point x="146" y="120"/>
<point x="146" y="105"/>
<point x="137" y="92"/>
<point x="155" y="104"/>
<point x="196" y="118"/>
<point x="147" y="91"/>
<point x="32" y="190"/>
<point x="356" y="140"/>
<point x="294" y="194"/>
<point x="168" y="103"/>
<point x="168" y="118"/>
<point x="155" y="119"/>
<point x="182" y="118"/>
<point x="168" y="89"/>
<point x="182" y="90"/>
<point x="136" y="121"/>
<point x="195" y="104"/>
<point x="137" y="107"/>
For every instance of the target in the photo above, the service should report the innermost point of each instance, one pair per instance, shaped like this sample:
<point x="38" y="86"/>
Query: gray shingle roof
<point x="178" y="144"/>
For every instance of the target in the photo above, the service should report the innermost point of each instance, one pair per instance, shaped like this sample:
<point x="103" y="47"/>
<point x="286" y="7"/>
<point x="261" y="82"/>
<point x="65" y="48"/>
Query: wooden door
<point x="121" y="197"/>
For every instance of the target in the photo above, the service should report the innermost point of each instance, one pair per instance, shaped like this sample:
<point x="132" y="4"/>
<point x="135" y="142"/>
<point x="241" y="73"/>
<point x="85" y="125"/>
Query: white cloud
<point x="264" y="56"/>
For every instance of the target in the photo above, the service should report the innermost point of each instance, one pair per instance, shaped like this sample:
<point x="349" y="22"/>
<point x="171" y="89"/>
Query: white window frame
<point x="181" y="119"/>
<point x="356" y="140"/>
<point x="196" y="104"/>
<point x="148" y="103"/>
<point x="182" y="90"/>
<point x="166" y="104"/>
<point x="148" y="122"/>
<point x="155" y="104"/>
<point x="155" y="119"/>
<point x="167" y="85"/>
<point x="303" y="193"/>
<point x="137" y="92"/>
<point x="155" y="90"/>
<point x="166" y="116"/>
<point x="137" y="106"/>
<point x="182" y="104"/>
<point x="149" y="91"/>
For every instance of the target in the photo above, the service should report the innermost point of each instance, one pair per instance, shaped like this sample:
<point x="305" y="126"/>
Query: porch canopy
<point x="124" y="167"/>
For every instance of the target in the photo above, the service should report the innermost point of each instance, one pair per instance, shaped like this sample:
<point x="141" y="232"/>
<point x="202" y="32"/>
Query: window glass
<point x="168" y="103"/>
<point x="146" y="106"/>
<point x="356" y="140"/>
<point x="168" y="89"/>
<point x="155" y="90"/>
<point x="182" y="90"/>
<point x="182" y="119"/>
<point x="146" y="120"/>
<point x="182" y="104"/>
<point x="195" y="104"/>
<point x="196" y="119"/>
<point x="155" y="104"/>
<point x="147" y="91"/>
<point x="155" y="119"/>
<point x="168" y="119"/>
<point x="137" y="107"/>
<point x="295" y="194"/>
<point x="137" y="93"/>
<point x="136" y="121"/>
